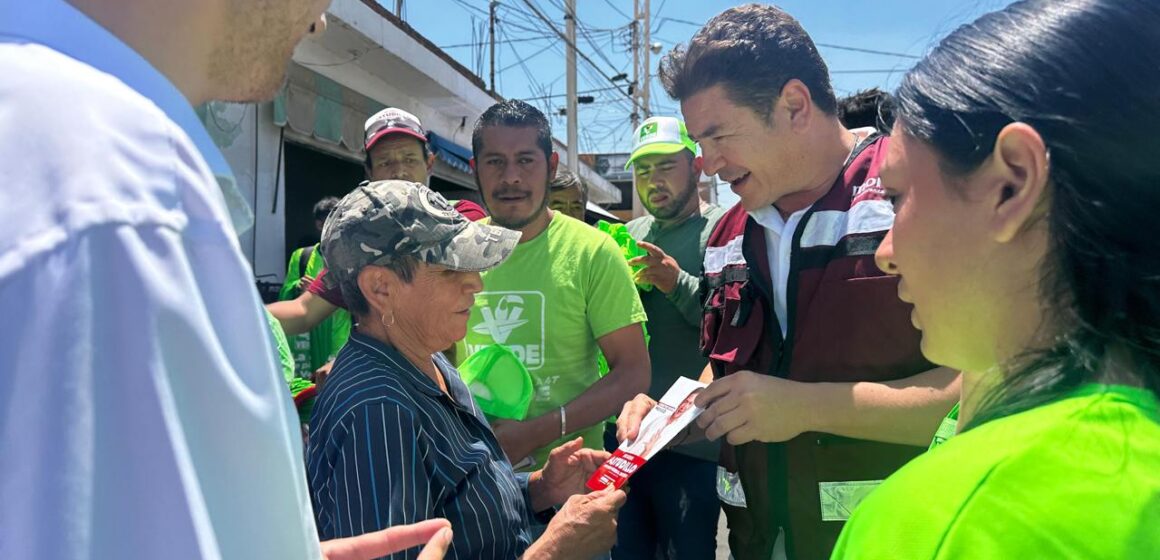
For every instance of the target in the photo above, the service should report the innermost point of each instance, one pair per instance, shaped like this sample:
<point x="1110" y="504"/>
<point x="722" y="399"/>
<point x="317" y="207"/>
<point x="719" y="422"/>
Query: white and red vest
<point x="846" y="323"/>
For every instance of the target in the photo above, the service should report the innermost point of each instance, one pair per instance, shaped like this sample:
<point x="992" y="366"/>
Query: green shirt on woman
<point x="1077" y="478"/>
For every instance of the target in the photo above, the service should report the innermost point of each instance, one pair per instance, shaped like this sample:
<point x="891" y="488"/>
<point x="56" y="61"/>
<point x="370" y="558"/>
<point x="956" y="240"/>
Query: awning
<point x="450" y="153"/>
<point x="318" y="107"/>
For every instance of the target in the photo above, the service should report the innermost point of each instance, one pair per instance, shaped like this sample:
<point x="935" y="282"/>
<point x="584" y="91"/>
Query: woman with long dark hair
<point x="1026" y="182"/>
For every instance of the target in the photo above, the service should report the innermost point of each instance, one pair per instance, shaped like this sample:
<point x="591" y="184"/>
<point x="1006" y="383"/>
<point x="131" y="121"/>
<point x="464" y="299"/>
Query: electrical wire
<point x="525" y="59"/>
<point x="826" y="45"/>
<point x="578" y="52"/>
<point x="516" y="40"/>
<point x="589" y="92"/>
<point x="469" y="8"/>
<point x="617" y="10"/>
<point x="656" y="14"/>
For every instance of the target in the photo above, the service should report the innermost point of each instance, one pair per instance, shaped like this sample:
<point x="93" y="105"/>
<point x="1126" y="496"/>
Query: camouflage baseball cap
<point x="381" y="221"/>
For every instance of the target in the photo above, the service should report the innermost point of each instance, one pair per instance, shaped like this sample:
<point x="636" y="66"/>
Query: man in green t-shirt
<point x="673" y="507"/>
<point x="318" y="346"/>
<point x="564" y="293"/>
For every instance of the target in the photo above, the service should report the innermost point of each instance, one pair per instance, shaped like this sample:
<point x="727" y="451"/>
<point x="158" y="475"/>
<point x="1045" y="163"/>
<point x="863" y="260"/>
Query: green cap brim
<point x="658" y="148"/>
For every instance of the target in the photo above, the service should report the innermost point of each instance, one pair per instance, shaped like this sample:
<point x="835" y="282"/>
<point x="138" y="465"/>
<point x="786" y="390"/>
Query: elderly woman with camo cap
<point x="396" y="436"/>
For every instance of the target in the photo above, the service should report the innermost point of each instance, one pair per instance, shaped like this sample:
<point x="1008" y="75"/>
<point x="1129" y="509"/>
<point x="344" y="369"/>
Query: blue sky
<point x="530" y="63"/>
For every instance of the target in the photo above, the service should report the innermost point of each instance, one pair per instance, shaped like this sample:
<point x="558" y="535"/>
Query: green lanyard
<point x="947" y="429"/>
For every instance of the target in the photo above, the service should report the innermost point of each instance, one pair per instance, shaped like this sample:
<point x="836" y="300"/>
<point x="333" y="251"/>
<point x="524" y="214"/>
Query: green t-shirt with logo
<point x="947" y="429"/>
<point x="313" y="349"/>
<point x="1077" y="478"/>
<point x="550" y="302"/>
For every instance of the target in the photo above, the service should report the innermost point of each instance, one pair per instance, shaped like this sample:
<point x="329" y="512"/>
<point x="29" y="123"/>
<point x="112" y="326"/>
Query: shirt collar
<point x="61" y="27"/>
<point x="410" y="374"/>
<point x="769" y="217"/>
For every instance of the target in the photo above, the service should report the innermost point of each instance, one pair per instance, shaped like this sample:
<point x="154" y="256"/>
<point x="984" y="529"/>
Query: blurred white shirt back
<point x="142" y="414"/>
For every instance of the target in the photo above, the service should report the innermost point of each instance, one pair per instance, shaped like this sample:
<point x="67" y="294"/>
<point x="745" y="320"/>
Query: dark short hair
<point x="324" y="207"/>
<point x="516" y="114"/>
<point x="870" y="107"/>
<point x="367" y="163"/>
<point x="1082" y="73"/>
<point x="566" y="180"/>
<point x="752" y="51"/>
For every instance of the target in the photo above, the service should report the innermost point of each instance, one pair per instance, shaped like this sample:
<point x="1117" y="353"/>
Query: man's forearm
<point x="906" y="411"/>
<point x="686" y="298"/>
<point x="607" y="396"/>
<point x="301" y="314"/>
<point x="291" y="314"/>
<point x="603" y="399"/>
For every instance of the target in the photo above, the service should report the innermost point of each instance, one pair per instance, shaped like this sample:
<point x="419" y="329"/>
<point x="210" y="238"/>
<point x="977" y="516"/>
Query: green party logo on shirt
<point x="514" y="319"/>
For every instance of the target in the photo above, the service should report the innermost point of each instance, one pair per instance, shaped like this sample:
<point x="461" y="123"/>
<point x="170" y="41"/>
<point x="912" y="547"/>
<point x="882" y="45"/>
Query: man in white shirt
<point x="144" y="415"/>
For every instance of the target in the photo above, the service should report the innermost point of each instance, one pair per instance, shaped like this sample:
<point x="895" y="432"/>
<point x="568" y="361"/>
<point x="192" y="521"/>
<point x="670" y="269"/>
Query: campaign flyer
<point x="670" y="416"/>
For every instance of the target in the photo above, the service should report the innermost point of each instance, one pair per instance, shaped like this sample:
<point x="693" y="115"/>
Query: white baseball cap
<point x="660" y="135"/>
<point x="392" y="121"/>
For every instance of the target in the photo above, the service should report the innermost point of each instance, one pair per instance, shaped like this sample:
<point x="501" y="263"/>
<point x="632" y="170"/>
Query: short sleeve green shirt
<point x="550" y="302"/>
<point x="1077" y="478"/>
<point x="313" y="349"/>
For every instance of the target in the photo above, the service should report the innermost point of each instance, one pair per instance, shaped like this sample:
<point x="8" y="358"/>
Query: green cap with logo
<point x="381" y="221"/>
<point x="660" y="135"/>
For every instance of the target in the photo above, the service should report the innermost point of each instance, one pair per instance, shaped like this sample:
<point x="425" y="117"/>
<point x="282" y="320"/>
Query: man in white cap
<point x="672" y="510"/>
<point x="396" y="147"/>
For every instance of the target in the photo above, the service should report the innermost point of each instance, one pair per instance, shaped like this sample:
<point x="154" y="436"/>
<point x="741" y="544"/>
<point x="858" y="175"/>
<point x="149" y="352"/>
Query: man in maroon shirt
<point x="396" y="148"/>
<point x="819" y="388"/>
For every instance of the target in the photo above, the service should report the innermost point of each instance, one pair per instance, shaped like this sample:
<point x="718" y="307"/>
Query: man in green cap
<point x="672" y="510"/>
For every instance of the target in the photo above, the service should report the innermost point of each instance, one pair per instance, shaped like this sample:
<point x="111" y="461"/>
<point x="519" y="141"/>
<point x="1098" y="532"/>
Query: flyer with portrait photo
<point x="671" y="415"/>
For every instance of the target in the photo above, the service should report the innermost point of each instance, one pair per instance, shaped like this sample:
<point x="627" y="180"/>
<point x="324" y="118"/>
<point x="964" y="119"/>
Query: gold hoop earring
<point x="383" y="320"/>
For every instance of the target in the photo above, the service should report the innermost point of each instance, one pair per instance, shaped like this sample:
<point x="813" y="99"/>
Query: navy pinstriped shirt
<point x="387" y="447"/>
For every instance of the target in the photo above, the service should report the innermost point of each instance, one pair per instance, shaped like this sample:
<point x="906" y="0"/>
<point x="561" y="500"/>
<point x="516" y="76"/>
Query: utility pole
<point x="640" y="75"/>
<point x="491" y="38"/>
<point x="573" y="141"/>
<point x="635" y="87"/>
<point x="647" y="48"/>
<point x="641" y="65"/>
<point x="399" y="8"/>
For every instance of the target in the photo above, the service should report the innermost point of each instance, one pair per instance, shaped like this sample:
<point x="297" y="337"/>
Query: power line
<point x="579" y="53"/>
<point x="677" y="20"/>
<point x="524" y="59"/>
<point x="470" y="8"/>
<point x="826" y="45"/>
<point x="868" y="51"/>
<point x="532" y="83"/>
<point x="617" y="10"/>
<point x="589" y="92"/>
<point x="517" y="40"/>
<point x="595" y="47"/>
<point x="661" y="8"/>
<point x="523" y="17"/>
